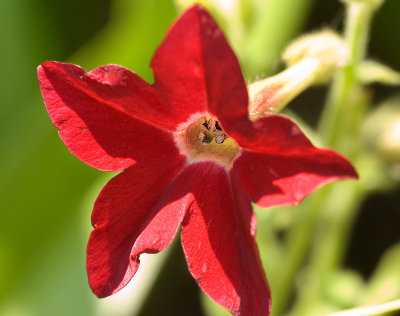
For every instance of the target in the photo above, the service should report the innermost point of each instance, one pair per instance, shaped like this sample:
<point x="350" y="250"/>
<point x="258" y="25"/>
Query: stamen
<point x="205" y="140"/>
<point x="205" y="125"/>
<point x="212" y="130"/>
<point x="202" y="136"/>
<point x="219" y="139"/>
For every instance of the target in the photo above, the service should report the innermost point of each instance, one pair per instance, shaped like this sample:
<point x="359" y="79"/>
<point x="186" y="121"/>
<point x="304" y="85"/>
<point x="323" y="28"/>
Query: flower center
<point x="205" y="140"/>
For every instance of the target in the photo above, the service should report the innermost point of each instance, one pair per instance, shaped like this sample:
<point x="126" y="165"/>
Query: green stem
<point x="339" y="126"/>
<point x="296" y="248"/>
<point x="274" y="23"/>
<point x="330" y="239"/>
<point x="346" y="103"/>
<point x="338" y="121"/>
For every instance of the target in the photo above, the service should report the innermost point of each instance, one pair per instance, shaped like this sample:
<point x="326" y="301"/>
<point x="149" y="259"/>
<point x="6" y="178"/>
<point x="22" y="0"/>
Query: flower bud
<point x="312" y="59"/>
<point x="381" y="130"/>
<point x="326" y="47"/>
<point x="389" y="141"/>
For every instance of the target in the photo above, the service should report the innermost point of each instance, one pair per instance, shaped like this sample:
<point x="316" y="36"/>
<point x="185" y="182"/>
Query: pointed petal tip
<point x="348" y="172"/>
<point x="353" y="174"/>
<point x="56" y="66"/>
<point x="266" y="202"/>
<point x="287" y="179"/>
<point x="49" y="64"/>
<point x="42" y="67"/>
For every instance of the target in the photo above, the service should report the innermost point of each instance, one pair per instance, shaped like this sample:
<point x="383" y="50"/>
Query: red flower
<point x="190" y="157"/>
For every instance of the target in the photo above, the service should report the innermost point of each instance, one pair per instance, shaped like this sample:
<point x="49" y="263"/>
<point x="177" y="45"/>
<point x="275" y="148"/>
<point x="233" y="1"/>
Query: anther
<point x="219" y="139"/>
<point x="217" y="127"/>
<point x="204" y="138"/>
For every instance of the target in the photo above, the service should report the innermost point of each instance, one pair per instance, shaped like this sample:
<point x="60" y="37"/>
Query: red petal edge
<point x="280" y="166"/>
<point x="196" y="71"/>
<point x="218" y="241"/>
<point x="138" y="211"/>
<point x="97" y="114"/>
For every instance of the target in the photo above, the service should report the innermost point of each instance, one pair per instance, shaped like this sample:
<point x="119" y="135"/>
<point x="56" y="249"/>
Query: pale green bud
<point x="326" y="47"/>
<point x="270" y="95"/>
<point x="312" y="59"/>
<point x="381" y="130"/>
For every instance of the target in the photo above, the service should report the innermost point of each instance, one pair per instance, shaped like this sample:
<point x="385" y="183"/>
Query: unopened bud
<point x="327" y="47"/>
<point x="389" y="141"/>
<point x="312" y="59"/>
<point x="381" y="130"/>
<point x="270" y="95"/>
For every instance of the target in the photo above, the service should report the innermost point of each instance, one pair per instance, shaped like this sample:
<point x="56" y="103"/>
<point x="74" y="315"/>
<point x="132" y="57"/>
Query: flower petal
<point x="195" y="71"/>
<point x="137" y="211"/>
<point x="218" y="241"/>
<point x="273" y="134"/>
<point x="272" y="180"/>
<point x="101" y="115"/>
<point x="279" y="165"/>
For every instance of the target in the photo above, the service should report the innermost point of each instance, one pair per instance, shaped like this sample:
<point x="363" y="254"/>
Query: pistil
<point x="205" y="140"/>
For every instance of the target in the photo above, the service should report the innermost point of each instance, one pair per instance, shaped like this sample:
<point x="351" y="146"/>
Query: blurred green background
<point x="47" y="194"/>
